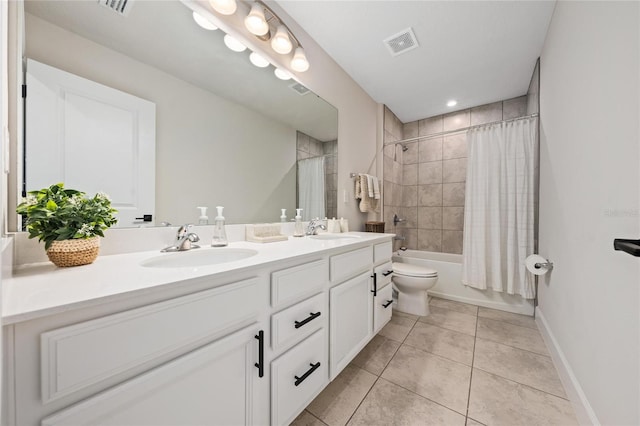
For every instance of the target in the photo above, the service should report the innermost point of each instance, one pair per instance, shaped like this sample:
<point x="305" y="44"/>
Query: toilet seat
<point x="410" y="270"/>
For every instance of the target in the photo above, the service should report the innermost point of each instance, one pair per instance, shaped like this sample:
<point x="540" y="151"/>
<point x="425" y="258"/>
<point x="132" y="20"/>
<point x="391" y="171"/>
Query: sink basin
<point x="197" y="258"/>
<point x="333" y="237"/>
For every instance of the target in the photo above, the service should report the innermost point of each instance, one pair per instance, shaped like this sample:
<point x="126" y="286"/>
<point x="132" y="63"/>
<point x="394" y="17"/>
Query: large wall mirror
<point x="226" y="132"/>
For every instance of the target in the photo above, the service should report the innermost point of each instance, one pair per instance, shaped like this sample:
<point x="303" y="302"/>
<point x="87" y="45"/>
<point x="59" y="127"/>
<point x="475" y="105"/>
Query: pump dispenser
<point x="299" y="231"/>
<point x="203" y="219"/>
<point x="219" y="233"/>
<point x="283" y="216"/>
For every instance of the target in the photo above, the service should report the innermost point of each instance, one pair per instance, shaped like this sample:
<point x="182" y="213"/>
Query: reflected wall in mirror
<point x="226" y="131"/>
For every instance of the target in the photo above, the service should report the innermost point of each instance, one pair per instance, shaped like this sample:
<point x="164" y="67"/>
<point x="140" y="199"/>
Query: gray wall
<point x="309" y="147"/>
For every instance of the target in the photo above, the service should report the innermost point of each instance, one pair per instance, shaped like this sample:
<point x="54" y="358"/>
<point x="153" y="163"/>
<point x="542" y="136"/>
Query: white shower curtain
<point x="311" y="193"/>
<point x="499" y="207"/>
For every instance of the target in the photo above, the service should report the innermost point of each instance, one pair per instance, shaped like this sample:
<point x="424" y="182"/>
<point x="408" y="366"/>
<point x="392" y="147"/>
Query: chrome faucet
<point x="184" y="240"/>
<point x="314" y="224"/>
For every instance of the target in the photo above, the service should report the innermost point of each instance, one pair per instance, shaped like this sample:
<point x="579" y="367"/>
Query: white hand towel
<point x="376" y="188"/>
<point x="370" y="186"/>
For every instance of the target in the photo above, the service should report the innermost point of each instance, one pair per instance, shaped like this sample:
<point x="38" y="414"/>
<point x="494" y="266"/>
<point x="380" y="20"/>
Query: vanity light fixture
<point x="256" y="22"/>
<point x="234" y="44"/>
<point x="299" y="62"/>
<point x="224" y="7"/>
<point x="281" y="42"/>
<point x="452" y="103"/>
<point x="282" y="74"/>
<point x="204" y="22"/>
<point x="258" y="60"/>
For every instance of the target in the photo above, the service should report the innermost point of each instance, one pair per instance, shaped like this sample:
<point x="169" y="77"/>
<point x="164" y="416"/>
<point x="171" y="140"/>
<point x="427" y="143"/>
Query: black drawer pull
<point x="386" y="305"/>
<point x="313" y="368"/>
<point x="389" y="272"/>
<point x="310" y="318"/>
<point x="260" y="363"/>
<point x="375" y="284"/>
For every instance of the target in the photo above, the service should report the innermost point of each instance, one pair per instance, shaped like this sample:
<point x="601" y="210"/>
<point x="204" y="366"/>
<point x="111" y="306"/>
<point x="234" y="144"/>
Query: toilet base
<point x="414" y="304"/>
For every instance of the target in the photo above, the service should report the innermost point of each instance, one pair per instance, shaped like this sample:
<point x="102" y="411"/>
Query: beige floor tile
<point x="497" y="401"/>
<point x="452" y="320"/>
<point x="376" y="355"/>
<point x="400" y="314"/>
<point x="306" y="419"/>
<point x="463" y="308"/>
<point x="518" y="365"/>
<point x="449" y="344"/>
<point x="388" y="404"/>
<point x="511" y="335"/>
<point x="339" y="400"/>
<point x="471" y="422"/>
<point x="508" y="317"/>
<point x="436" y="378"/>
<point x="397" y="328"/>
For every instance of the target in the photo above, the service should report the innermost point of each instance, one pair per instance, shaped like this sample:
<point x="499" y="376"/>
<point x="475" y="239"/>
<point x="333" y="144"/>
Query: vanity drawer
<point x="382" y="252"/>
<point x="84" y="354"/>
<point x="346" y="265"/>
<point x="293" y="284"/>
<point x="297" y="377"/>
<point x="382" y="308"/>
<point x="297" y="322"/>
<point x="383" y="274"/>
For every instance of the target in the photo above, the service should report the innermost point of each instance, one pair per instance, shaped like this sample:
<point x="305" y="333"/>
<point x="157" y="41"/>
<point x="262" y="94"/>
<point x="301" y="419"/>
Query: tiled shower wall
<point x="308" y="147"/>
<point x="392" y="171"/>
<point x="434" y="172"/>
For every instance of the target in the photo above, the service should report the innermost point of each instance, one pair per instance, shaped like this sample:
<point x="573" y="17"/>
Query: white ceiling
<point x="476" y="52"/>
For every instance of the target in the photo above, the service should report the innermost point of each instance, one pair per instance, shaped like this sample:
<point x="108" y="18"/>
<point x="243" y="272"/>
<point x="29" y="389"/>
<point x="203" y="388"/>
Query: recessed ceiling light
<point x="203" y="22"/>
<point x="452" y="103"/>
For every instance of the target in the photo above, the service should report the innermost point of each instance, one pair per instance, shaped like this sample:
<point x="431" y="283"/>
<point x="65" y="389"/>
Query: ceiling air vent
<point x="299" y="89"/>
<point x="121" y="7"/>
<point x="402" y="42"/>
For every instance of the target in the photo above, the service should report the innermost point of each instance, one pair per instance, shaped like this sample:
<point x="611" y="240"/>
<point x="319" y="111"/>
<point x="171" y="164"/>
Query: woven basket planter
<point x="74" y="252"/>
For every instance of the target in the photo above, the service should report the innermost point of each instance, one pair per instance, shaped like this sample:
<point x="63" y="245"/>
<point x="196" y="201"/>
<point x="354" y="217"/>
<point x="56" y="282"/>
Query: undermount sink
<point x="333" y="237"/>
<point x="198" y="258"/>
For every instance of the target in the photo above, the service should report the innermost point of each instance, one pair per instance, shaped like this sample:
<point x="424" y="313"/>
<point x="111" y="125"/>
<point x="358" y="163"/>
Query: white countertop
<point x="41" y="289"/>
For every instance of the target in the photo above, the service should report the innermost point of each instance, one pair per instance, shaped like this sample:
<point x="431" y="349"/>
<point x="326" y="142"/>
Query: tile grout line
<point x="473" y="357"/>
<point x="522" y="384"/>
<point x="514" y="347"/>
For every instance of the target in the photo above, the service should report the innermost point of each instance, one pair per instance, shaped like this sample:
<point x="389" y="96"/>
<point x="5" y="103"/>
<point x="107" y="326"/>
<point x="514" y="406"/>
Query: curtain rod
<point x="462" y="130"/>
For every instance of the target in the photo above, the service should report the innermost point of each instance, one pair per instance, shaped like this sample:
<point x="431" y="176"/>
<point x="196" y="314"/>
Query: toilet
<point x="412" y="282"/>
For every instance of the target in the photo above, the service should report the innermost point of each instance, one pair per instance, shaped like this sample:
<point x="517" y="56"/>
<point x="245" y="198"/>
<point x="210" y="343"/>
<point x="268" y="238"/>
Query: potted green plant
<point x="69" y="223"/>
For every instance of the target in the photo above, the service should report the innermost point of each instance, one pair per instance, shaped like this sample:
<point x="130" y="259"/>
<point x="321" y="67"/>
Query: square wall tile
<point x="430" y="240"/>
<point x="389" y="137"/>
<point x="452" y="242"/>
<point x="387" y="169"/>
<point x="411" y="238"/>
<point x="453" y="194"/>
<point x="388" y="119"/>
<point x="397" y="172"/>
<point x="303" y="142"/>
<point x="457" y="120"/>
<point x="454" y="170"/>
<point x="302" y="155"/>
<point x="397" y="194"/>
<point x="388" y="151"/>
<point x="430" y="150"/>
<point x="515" y="107"/>
<point x="429" y="126"/>
<point x="486" y="113"/>
<point x="430" y="195"/>
<point x="453" y="218"/>
<point x="410" y="130"/>
<point x="454" y="146"/>
<point x="430" y="172"/>
<point x="410" y="174"/>
<point x="430" y="217"/>
<point x="410" y="215"/>
<point x="410" y="196"/>
<point x="410" y="156"/>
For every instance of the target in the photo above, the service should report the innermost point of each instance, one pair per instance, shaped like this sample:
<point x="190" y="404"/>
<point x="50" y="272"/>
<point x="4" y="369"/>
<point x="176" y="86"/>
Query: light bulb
<point x="203" y="22"/>
<point x="224" y="7"/>
<point x="282" y="74"/>
<point x="452" y="103"/>
<point x="258" y="60"/>
<point x="255" y="21"/>
<point x="299" y="62"/>
<point x="234" y="44"/>
<point x="280" y="42"/>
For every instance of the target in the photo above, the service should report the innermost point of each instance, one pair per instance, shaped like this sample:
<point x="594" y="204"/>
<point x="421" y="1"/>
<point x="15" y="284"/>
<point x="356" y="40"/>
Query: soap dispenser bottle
<point x="283" y="216"/>
<point x="299" y="231"/>
<point x="219" y="233"/>
<point x="203" y="219"/>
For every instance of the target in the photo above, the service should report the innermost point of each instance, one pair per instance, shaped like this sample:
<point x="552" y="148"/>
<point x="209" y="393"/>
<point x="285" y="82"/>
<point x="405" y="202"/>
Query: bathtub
<point x="449" y="285"/>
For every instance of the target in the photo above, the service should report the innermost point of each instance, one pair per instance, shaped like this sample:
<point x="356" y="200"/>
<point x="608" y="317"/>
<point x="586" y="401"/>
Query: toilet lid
<point x="410" y="270"/>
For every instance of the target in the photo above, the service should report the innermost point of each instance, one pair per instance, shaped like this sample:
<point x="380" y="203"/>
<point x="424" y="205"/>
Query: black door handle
<point x="375" y="285"/>
<point x="313" y="368"/>
<point x="386" y="305"/>
<point x="310" y="318"/>
<point x="389" y="272"/>
<point x="146" y="218"/>
<point x="260" y="363"/>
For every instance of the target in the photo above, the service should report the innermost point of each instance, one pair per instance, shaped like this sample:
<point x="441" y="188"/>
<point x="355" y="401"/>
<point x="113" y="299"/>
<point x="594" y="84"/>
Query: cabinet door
<point x="351" y="320"/>
<point x="217" y="384"/>
<point x="382" y="308"/>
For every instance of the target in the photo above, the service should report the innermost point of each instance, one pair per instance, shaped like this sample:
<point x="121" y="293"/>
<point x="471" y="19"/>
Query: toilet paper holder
<point x="543" y="265"/>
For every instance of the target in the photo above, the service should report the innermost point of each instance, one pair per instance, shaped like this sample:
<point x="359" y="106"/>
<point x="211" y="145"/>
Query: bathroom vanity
<point x="249" y="341"/>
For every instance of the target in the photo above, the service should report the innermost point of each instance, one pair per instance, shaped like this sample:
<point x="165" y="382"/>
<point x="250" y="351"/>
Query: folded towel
<point x="376" y="188"/>
<point x="358" y="190"/>
<point x="370" y="186"/>
<point x="367" y="203"/>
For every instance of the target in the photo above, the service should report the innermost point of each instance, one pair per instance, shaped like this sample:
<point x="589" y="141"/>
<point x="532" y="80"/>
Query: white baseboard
<point x="526" y="308"/>
<point x="582" y="407"/>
